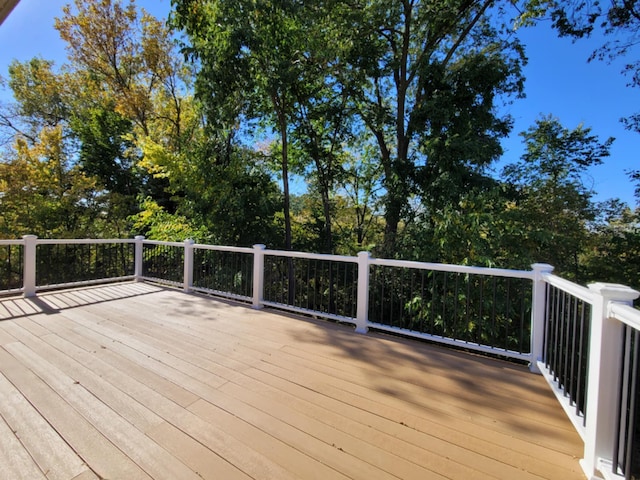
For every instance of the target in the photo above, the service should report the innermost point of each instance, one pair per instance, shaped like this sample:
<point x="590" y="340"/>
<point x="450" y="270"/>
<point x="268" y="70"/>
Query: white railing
<point x="531" y="352"/>
<point x="336" y="287"/>
<point x="12" y="266"/>
<point x="608" y="362"/>
<point x="563" y="353"/>
<point x="359" y="320"/>
<point x="571" y="331"/>
<point x="249" y="273"/>
<point x="598" y="368"/>
<point x="35" y="269"/>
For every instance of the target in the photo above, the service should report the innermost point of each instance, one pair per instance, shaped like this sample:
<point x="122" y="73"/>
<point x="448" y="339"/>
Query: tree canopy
<point x="334" y="126"/>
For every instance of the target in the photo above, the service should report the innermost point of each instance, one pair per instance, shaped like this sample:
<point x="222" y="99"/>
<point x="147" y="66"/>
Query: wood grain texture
<point x="134" y="380"/>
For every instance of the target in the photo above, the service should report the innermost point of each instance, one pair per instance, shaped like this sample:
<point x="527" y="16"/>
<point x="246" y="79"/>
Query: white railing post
<point x="188" y="264"/>
<point x="258" y="275"/>
<point x="603" y="382"/>
<point x="538" y="308"/>
<point x="137" y="269"/>
<point x="362" y="312"/>
<point x="29" y="266"/>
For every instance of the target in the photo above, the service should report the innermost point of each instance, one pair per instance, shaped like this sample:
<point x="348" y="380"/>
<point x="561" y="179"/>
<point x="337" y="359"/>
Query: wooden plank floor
<point x="135" y="381"/>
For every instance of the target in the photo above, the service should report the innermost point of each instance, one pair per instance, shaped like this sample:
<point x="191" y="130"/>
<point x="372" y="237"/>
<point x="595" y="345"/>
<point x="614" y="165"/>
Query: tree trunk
<point x="326" y="204"/>
<point x="282" y="122"/>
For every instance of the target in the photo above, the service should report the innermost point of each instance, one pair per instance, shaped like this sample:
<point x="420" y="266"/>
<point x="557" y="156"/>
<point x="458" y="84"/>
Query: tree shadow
<point x="454" y="385"/>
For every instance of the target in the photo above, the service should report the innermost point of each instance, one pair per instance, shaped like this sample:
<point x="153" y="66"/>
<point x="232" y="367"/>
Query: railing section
<point x="482" y="309"/>
<point x="31" y="264"/>
<point x="590" y="359"/>
<point x="62" y="263"/>
<point x="163" y="262"/>
<point x="566" y="345"/>
<point x="222" y="271"/>
<point x="325" y="285"/>
<point x="11" y="265"/>
<point x="626" y="452"/>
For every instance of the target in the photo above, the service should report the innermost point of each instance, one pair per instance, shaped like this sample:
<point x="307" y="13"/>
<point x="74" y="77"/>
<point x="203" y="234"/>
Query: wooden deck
<point x="136" y="381"/>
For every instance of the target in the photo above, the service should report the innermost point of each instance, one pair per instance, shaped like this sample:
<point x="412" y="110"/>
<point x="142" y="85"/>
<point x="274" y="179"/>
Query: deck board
<point x="47" y="449"/>
<point x="134" y="381"/>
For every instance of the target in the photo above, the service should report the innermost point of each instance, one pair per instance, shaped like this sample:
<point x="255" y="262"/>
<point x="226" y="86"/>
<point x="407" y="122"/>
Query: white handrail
<point x="12" y="242"/>
<point x="222" y="248"/>
<point x="442" y="267"/>
<point x="166" y="244"/>
<point x="311" y="256"/>
<point x="83" y="241"/>
<point x="571" y="288"/>
<point x="626" y="314"/>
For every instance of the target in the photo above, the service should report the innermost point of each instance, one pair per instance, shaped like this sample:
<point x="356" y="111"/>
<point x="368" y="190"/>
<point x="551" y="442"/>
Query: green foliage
<point x="542" y="212"/>
<point x="43" y="194"/>
<point x="463" y="133"/>
<point x="42" y="95"/>
<point x="556" y="155"/>
<point x="271" y="62"/>
<point x="157" y="224"/>
<point x="106" y="148"/>
<point x="468" y="232"/>
<point x="421" y="79"/>
<point x="551" y="204"/>
<point x="613" y="252"/>
<point x="418" y="101"/>
<point x="359" y="220"/>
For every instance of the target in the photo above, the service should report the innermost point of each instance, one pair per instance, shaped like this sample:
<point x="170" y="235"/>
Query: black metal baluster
<point x="456" y="293"/>
<point x="432" y="306"/>
<point x="468" y="334"/>
<point x="494" y="307"/>
<point x="582" y="362"/>
<point x="520" y="326"/>
<point x="507" y="317"/>
<point x="444" y="303"/>
<point x="480" y="324"/>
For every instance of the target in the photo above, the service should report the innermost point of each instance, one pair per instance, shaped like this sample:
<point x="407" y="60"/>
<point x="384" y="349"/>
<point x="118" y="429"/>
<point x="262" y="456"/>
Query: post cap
<point x="542" y="267"/>
<point x="614" y="291"/>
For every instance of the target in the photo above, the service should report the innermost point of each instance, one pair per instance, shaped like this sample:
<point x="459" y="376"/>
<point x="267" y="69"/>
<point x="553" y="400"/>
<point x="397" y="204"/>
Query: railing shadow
<point x="53" y="302"/>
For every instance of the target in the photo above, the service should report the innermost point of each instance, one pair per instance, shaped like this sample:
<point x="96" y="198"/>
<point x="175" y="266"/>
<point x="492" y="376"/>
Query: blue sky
<point x="559" y="82"/>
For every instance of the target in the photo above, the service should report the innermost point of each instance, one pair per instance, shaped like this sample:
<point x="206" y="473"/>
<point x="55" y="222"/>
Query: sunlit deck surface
<point x="133" y="380"/>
